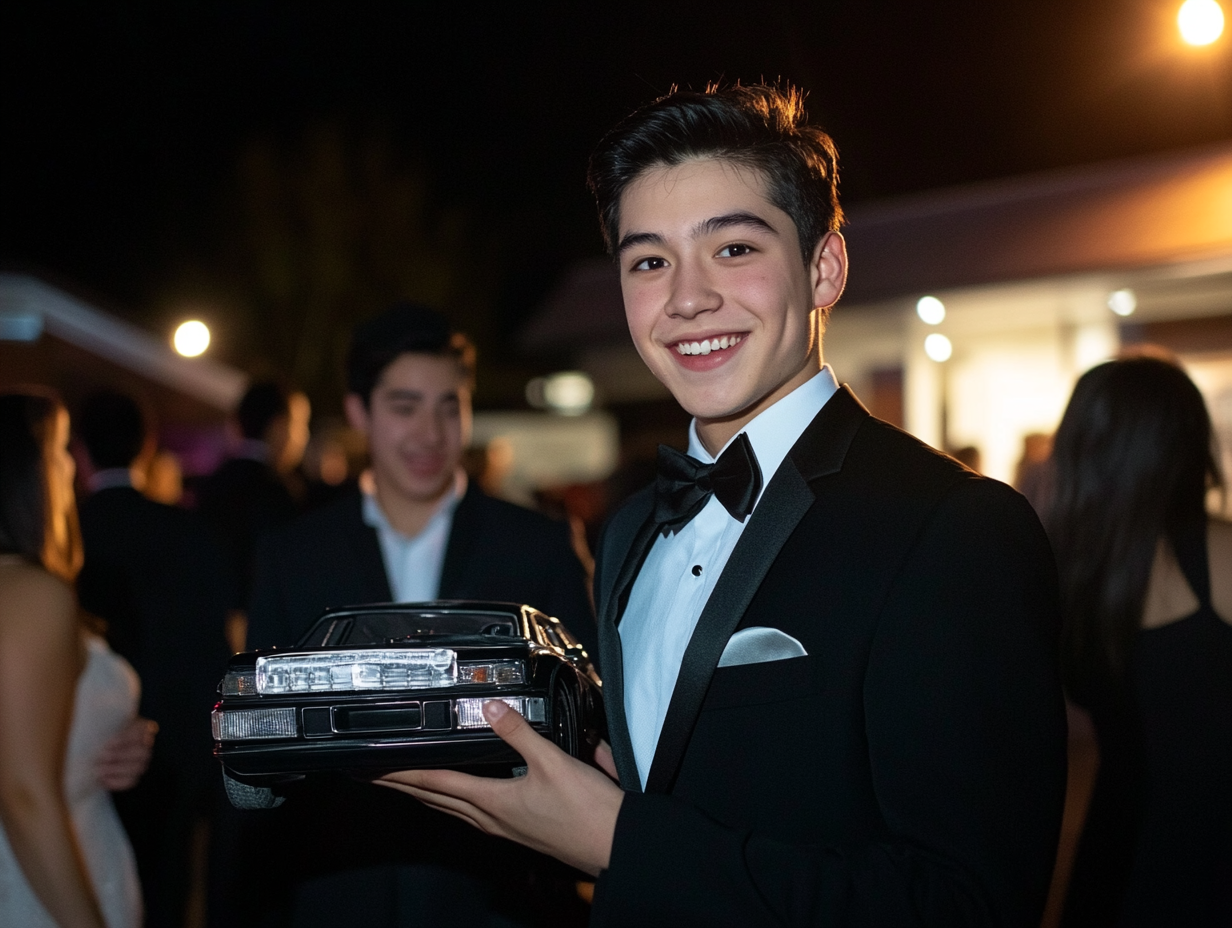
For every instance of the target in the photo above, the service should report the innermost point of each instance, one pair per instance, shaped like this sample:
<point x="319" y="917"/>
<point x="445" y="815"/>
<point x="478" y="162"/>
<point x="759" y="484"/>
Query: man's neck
<point x="714" y="434"/>
<point x="406" y="516"/>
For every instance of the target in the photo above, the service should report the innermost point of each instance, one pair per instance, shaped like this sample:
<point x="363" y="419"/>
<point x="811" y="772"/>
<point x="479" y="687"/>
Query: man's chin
<point x="423" y="490"/>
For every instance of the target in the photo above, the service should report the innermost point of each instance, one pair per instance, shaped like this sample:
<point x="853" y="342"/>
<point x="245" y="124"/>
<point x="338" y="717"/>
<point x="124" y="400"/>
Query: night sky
<point x="127" y="127"/>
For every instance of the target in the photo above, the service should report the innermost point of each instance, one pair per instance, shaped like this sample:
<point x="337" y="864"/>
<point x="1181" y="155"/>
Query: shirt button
<point x="697" y="570"/>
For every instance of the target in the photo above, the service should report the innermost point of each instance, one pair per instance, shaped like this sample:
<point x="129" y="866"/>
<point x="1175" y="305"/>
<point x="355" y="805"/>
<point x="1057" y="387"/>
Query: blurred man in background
<point x="416" y="530"/>
<point x="158" y="578"/>
<point x="249" y="495"/>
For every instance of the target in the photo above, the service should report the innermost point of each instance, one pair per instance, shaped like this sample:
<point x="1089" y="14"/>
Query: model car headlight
<point x="470" y="711"/>
<point x="249" y="724"/>
<point x="375" y="669"/>
<point x="492" y="672"/>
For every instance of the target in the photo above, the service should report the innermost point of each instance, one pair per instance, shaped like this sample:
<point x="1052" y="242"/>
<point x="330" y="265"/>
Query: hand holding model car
<point x="374" y="689"/>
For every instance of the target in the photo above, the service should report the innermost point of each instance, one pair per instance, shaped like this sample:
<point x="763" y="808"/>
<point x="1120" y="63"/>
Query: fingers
<point x="605" y="761"/>
<point x="515" y="730"/>
<point x="451" y="782"/>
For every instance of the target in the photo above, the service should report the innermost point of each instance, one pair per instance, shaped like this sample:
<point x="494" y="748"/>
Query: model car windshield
<point x="374" y="628"/>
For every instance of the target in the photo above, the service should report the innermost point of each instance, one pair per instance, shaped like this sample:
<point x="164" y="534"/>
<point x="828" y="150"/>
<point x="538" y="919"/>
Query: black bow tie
<point x="685" y="485"/>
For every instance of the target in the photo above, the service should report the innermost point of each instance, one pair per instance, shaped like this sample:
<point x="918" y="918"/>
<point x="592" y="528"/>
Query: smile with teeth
<point x="709" y="345"/>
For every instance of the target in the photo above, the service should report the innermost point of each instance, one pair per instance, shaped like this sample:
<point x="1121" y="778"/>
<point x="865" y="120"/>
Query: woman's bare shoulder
<point x="28" y="593"/>
<point x="1219" y="556"/>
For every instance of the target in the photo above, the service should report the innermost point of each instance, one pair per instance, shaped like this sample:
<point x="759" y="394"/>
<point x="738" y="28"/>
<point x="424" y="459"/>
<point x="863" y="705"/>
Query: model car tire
<point x="243" y="796"/>
<point x="564" y="718"/>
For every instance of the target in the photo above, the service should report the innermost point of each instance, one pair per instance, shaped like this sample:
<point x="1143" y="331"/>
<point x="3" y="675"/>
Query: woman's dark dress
<point x="1157" y="846"/>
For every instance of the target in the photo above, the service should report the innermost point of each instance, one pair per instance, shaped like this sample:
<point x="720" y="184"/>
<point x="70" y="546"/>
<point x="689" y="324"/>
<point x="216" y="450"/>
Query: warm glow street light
<point x="569" y="393"/>
<point x="931" y="310"/>
<point x="191" y="338"/>
<point x="1122" y="302"/>
<point x="1200" y="21"/>
<point x="938" y="347"/>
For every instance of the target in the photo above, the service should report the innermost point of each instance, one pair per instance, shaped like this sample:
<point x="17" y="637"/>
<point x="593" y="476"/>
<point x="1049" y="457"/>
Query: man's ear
<point x="356" y="413"/>
<point x="828" y="270"/>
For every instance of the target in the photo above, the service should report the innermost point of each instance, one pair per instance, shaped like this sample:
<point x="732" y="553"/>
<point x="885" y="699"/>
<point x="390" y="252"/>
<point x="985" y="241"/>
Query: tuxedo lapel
<point x="462" y="535"/>
<point x="612" y="604"/>
<point x="819" y="452"/>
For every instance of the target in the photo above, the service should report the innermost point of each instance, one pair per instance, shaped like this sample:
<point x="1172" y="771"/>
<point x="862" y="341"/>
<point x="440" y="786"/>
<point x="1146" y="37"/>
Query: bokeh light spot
<point x="938" y="347"/>
<point x="931" y="310"/>
<point x="1200" y="21"/>
<point x="1122" y="302"/>
<point x="191" y="338"/>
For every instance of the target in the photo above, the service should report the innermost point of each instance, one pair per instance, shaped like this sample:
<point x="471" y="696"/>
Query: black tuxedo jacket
<point x="160" y="580"/>
<point x="911" y="768"/>
<point x="244" y="500"/>
<point x="496" y="551"/>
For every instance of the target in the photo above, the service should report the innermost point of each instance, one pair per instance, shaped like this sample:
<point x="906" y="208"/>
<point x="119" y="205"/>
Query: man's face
<point x="717" y="297"/>
<point x="417" y="422"/>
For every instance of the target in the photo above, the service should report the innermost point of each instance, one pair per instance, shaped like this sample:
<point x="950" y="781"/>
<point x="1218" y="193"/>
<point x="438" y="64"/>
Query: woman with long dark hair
<point x="64" y="697"/>
<point x="1146" y="585"/>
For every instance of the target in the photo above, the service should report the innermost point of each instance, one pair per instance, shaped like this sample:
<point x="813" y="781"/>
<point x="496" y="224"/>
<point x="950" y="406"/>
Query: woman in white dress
<point x="66" y="700"/>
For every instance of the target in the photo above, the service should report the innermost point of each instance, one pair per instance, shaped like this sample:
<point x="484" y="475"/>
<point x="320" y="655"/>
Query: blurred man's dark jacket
<point x="156" y="575"/>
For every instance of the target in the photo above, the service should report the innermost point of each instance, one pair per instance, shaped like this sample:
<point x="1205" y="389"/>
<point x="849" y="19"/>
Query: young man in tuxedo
<point x="417" y="530"/>
<point x="828" y="657"/>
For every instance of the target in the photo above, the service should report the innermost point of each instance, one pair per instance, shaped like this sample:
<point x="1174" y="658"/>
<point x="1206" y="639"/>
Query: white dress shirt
<point x="413" y="565"/>
<point x="681" y="570"/>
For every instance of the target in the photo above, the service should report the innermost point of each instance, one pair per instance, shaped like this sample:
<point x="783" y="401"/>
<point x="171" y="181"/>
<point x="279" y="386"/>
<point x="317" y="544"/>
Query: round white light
<point x="938" y="347"/>
<point x="569" y="392"/>
<point x="1122" y="302"/>
<point x="191" y="338"/>
<point x="1200" y="21"/>
<point x="931" y="310"/>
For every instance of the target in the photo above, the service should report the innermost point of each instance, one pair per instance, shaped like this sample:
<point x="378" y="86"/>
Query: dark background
<point x="281" y="169"/>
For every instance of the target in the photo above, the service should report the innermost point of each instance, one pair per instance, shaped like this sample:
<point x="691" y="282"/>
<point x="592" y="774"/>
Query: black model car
<point x="374" y="689"/>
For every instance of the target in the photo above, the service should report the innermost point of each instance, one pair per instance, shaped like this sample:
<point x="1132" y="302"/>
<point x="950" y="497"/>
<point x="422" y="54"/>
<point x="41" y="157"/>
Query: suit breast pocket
<point x="765" y="682"/>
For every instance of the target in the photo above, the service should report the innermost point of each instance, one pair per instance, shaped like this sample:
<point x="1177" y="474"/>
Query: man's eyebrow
<point x="634" y="239"/>
<point x="398" y="395"/>
<point x="707" y="227"/>
<point x="727" y="220"/>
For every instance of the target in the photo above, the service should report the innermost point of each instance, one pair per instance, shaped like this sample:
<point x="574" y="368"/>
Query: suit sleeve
<point x="965" y="732"/>
<point x="568" y="595"/>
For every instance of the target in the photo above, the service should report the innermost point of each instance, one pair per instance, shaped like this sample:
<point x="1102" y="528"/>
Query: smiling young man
<point x="829" y="651"/>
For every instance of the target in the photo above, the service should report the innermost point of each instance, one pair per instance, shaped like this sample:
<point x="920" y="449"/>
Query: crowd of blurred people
<point x="117" y="615"/>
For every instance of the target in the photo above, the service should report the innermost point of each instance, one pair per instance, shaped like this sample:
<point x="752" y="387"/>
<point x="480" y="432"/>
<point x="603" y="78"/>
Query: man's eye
<point x="403" y="409"/>
<point x="735" y="251"/>
<point x="650" y="264"/>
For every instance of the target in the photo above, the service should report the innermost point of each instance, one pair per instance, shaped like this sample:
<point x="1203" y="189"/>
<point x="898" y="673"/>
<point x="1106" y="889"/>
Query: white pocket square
<point x="759" y="644"/>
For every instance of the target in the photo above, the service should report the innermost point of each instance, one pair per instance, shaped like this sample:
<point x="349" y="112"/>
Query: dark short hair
<point x="759" y="127"/>
<point x="404" y="328"/>
<point x="27" y="433"/>
<point x="262" y="403"/>
<point x="112" y="427"/>
<point x="1133" y="459"/>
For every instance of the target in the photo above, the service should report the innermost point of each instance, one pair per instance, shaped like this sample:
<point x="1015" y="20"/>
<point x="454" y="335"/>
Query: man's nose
<point x="430" y="429"/>
<point x="692" y="291"/>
